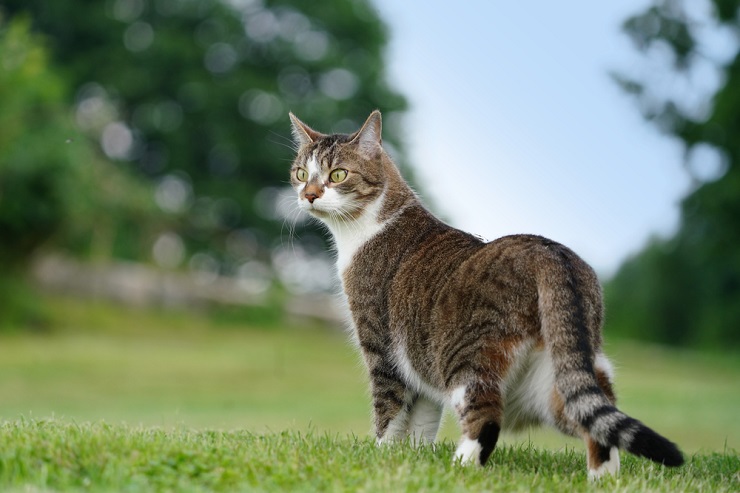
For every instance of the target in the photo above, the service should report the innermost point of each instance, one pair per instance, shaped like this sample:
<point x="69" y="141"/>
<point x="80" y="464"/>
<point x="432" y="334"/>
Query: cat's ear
<point x="368" y="138"/>
<point x="302" y="133"/>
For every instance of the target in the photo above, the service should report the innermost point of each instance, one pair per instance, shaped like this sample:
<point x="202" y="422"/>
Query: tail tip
<point x="650" y="445"/>
<point x="669" y="455"/>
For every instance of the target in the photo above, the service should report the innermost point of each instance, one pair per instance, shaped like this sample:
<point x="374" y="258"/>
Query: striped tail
<point x="610" y="427"/>
<point x="570" y="312"/>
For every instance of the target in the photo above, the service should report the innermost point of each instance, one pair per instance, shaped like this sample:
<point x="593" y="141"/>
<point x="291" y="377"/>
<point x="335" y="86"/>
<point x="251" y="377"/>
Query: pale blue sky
<point x="516" y="127"/>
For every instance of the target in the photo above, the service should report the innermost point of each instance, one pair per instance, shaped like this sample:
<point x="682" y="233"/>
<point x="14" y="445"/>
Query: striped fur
<point x="506" y="333"/>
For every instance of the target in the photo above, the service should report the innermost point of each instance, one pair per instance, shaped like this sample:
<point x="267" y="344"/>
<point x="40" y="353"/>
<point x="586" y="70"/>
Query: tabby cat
<point x="506" y="333"/>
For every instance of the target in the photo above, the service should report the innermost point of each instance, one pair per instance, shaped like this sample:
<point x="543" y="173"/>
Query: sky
<point x="515" y="125"/>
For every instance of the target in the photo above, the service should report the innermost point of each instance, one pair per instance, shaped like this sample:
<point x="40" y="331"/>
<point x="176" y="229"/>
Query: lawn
<point x="185" y="376"/>
<point x="52" y="455"/>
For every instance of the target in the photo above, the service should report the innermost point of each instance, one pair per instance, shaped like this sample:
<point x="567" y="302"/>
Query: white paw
<point x="610" y="467"/>
<point x="387" y="440"/>
<point x="468" y="452"/>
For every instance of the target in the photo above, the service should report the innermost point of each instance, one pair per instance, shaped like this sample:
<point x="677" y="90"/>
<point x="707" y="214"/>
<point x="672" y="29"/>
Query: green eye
<point x="338" y="175"/>
<point x="301" y="175"/>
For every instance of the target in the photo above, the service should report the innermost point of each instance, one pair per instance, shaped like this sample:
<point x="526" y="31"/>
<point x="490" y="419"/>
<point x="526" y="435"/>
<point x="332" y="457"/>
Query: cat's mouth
<point x="327" y="211"/>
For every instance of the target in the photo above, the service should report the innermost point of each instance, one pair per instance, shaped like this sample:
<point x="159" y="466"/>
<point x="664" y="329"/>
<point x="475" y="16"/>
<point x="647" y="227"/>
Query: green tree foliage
<point x="55" y="189"/>
<point x="194" y="94"/>
<point x="31" y="202"/>
<point x="686" y="290"/>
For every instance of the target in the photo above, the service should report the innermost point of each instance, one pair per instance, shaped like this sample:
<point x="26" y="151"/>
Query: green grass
<point x="175" y="369"/>
<point x="101" y="457"/>
<point x="153" y="382"/>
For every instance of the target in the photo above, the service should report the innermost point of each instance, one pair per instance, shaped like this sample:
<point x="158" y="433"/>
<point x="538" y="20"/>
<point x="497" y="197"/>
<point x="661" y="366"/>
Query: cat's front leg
<point x="424" y="419"/>
<point x="392" y="401"/>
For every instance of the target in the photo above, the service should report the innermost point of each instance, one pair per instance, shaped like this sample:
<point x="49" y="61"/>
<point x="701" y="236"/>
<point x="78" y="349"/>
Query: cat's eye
<point x="301" y="175"/>
<point x="338" y="175"/>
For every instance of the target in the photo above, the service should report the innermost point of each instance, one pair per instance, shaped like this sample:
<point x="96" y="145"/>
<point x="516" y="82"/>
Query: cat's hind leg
<point x="601" y="460"/>
<point x="424" y="418"/>
<point x="478" y="407"/>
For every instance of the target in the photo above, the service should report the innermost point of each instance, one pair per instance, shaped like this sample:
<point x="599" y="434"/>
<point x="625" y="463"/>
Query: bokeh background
<point x="155" y="268"/>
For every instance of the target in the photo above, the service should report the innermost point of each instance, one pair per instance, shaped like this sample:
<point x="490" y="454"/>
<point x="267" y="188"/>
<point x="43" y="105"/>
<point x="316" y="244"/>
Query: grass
<point x="99" y="457"/>
<point x="179" y="369"/>
<point x="128" y="400"/>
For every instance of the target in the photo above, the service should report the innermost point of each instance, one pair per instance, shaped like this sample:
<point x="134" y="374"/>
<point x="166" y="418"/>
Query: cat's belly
<point x="528" y="391"/>
<point x="412" y="378"/>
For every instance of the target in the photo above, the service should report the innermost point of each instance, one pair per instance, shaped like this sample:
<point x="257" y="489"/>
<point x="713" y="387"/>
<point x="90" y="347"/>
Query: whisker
<point x="291" y="219"/>
<point x="287" y="142"/>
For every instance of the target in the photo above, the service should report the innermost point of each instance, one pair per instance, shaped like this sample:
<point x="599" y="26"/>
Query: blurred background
<point x="155" y="269"/>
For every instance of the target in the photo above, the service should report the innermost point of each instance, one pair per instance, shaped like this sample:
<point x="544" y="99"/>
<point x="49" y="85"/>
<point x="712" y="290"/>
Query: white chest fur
<point x="350" y="235"/>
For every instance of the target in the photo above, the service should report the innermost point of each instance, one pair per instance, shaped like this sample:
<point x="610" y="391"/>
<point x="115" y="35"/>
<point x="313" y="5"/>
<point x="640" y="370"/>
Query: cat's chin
<point x="316" y="212"/>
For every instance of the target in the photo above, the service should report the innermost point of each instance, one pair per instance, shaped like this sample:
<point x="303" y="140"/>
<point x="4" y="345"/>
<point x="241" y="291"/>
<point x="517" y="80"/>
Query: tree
<point x="54" y="187"/>
<point x="686" y="289"/>
<point x="194" y="95"/>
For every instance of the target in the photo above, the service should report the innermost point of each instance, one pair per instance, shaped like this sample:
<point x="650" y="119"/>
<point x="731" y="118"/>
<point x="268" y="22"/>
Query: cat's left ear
<point x="302" y="133"/>
<point x="368" y="138"/>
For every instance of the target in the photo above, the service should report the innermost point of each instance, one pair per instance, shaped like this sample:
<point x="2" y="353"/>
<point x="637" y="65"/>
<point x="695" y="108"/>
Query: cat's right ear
<point x="302" y="133"/>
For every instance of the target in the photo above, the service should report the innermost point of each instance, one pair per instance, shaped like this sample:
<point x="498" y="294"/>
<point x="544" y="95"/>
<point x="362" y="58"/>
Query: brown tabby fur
<point x="435" y="309"/>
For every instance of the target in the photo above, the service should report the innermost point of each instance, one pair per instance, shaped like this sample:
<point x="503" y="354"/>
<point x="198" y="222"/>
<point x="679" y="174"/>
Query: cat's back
<point x="506" y="282"/>
<point x="516" y="256"/>
<point x="417" y="257"/>
<point x="519" y="265"/>
<point x="418" y="268"/>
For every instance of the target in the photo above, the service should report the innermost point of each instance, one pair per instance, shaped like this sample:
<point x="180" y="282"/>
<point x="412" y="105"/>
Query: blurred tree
<point x="686" y="290"/>
<point x="195" y="96"/>
<point x="54" y="186"/>
<point x="30" y="196"/>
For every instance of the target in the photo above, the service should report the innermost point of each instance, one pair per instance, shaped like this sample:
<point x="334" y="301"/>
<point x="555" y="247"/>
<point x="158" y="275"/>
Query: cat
<point x="506" y="333"/>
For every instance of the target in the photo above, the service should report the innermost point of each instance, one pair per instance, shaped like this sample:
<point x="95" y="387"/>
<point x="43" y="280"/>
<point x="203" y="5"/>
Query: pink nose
<point x="311" y="197"/>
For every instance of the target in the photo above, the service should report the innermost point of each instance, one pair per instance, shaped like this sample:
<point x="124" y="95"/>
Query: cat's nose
<point x="310" y="196"/>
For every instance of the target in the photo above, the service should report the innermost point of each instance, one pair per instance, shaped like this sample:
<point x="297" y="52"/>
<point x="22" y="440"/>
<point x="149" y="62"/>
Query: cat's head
<point x="336" y="176"/>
